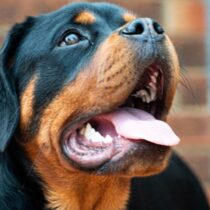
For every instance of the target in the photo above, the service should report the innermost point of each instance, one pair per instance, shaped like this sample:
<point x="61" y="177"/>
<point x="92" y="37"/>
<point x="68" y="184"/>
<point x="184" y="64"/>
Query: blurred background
<point x="188" y="25"/>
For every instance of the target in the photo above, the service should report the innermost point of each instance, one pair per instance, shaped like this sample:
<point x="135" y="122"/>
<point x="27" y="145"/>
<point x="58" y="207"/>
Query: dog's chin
<point x="120" y="157"/>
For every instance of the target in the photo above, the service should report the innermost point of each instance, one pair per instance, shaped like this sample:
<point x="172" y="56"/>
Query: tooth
<point x="107" y="139"/>
<point x="144" y="99"/>
<point x="153" y="78"/>
<point x="88" y="126"/>
<point x="94" y="136"/>
<point x="145" y="96"/>
<point x="97" y="137"/>
<point x="82" y="131"/>
<point x="143" y="93"/>
<point x="148" y="99"/>
<point x="140" y="93"/>
<point x="156" y="74"/>
<point x="136" y="95"/>
<point x="88" y="131"/>
<point x="153" y="91"/>
<point x="152" y="85"/>
<point x="153" y="94"/>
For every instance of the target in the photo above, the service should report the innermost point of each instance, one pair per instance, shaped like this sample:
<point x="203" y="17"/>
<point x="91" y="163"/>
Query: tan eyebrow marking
<point x="27" y="99"/>
<point x="85" y="17"/>
<point x="128" y="17"/>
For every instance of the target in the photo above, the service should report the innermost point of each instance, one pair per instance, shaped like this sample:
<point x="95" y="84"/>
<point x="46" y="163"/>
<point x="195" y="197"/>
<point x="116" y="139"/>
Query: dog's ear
<point x="9" y="109"/>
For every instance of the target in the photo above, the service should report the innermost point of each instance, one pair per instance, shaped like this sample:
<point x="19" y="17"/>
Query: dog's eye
<point x="70" y="39"/>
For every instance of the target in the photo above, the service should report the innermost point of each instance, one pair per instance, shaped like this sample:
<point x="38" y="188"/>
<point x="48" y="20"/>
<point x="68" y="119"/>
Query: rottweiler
<point x="84" y="96"/>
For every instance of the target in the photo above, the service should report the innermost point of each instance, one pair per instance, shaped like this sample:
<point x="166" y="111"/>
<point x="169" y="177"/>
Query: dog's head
<point x="86" y="89"/>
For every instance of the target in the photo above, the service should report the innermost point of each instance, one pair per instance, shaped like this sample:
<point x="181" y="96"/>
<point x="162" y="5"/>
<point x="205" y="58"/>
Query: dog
<point x="84" y="95"/>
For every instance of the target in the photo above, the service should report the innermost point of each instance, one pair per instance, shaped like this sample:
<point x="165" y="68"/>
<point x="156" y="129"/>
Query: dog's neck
<point x="89" y="193"/>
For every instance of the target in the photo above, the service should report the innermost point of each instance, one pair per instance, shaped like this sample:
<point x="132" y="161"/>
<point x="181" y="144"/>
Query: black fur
<point x="20" y="186"/>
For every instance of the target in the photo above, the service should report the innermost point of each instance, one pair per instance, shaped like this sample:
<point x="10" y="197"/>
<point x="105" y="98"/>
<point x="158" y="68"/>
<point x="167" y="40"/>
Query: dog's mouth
<point x="108" y="137"/>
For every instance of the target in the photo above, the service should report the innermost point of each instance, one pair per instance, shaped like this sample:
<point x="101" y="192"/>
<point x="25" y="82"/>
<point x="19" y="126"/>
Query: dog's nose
<point x="145" y="28"/>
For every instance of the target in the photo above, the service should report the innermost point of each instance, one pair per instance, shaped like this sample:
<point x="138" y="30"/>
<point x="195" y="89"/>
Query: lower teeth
<point x="92" y="135"/>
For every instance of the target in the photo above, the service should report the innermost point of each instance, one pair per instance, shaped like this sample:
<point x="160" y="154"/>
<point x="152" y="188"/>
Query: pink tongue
<point x="137" y="124"/>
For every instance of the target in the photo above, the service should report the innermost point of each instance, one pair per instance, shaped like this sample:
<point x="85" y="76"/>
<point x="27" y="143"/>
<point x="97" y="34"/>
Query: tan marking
<point x="85" y="17"/>
<point x="94" y="192"/>
<point x="26" y="103"/>
<point x="128" y="17"/>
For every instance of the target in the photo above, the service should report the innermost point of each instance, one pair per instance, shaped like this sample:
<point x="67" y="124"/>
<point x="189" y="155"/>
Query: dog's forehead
<point x="92" y="11"/>
<point x="94" y="17"/>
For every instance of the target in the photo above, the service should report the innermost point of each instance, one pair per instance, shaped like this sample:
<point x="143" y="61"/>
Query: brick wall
<point x="184" y="22"/>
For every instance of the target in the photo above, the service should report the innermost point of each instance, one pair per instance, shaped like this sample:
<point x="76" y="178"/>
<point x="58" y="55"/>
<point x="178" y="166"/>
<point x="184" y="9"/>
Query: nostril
<point x="136" y="27"/>
<point x="158" y="29"/>
<point x="145" y="28"/>
<point x="139" y="28"/>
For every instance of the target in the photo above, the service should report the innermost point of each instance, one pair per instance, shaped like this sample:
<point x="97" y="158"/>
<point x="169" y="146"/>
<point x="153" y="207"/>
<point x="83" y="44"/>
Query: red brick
<point x="3" y="31"/>
<point x="191" y="124"/>
<point x="11" y="11"/>
<point x="195" y="140"/>
<point x="193" y="87"/>
<point x="186" y="17"/>
<point x="144" y="8"/>
<point x="191" y="50"/>
<point x="1" y="40"/>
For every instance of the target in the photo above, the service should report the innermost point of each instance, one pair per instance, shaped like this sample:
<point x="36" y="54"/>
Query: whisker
<point x="186" y="83"/>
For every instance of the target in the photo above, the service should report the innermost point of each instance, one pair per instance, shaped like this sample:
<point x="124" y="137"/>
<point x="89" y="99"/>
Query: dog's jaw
<point x="92" y="193"/>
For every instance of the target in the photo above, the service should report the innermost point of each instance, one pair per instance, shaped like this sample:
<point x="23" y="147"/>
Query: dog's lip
<point x="78" y="122"/>
<point x="151" y="70"/>
<point x="155" y="96"/>
<point x="89" y="155"/>
<point x="90" y="152"/>
<point x="84" y="154"/>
